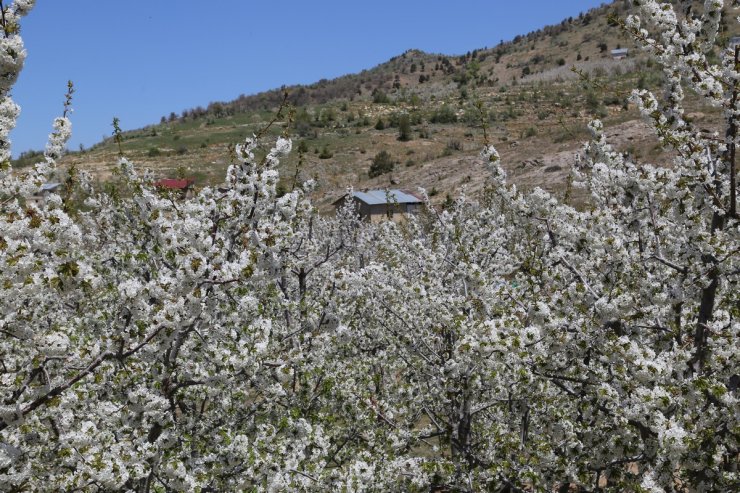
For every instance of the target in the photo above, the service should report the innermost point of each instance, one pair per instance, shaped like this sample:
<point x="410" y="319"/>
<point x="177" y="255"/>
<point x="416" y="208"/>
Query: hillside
<point x="534" y="94"/>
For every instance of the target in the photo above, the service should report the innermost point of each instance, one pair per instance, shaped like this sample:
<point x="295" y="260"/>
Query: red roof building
<point x="175" y="183"/>
<point x="184" y="185"/>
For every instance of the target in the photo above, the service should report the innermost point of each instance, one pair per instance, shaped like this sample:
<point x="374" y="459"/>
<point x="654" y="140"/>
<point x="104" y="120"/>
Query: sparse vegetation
<point x="541" y="109"/>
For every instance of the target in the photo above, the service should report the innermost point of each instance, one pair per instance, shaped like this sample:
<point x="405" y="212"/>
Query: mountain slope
<point x="534" y="95"/>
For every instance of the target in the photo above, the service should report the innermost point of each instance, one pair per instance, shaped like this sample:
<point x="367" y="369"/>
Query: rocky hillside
<point x="419" y="119"/>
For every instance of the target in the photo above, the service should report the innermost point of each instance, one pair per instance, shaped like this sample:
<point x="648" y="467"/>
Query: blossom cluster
<point x="240" y="341"/>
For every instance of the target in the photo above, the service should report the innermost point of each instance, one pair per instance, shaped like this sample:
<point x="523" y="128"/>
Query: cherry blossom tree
<point x="539" y="346"/>
<point x="240" y="341"/>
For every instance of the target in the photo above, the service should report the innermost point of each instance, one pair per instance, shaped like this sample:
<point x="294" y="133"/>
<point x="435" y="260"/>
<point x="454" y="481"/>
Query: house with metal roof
<point x="620" y="53"/>
<point x="43" y="192"/>
<point x="379" y="205"/>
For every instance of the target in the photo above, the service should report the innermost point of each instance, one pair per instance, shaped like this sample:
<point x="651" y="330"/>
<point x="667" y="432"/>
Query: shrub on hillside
<point x="380" y="97"/>
<point x="445" y="114"/>
<point x="326" y="152"/>
<point x="404" y="128"/>
<point x="382" y="163"/>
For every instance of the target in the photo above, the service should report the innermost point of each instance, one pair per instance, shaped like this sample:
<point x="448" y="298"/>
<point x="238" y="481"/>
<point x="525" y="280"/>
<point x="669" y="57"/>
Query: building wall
<point x="398" y="212"/>
<point x="379" y="212"/>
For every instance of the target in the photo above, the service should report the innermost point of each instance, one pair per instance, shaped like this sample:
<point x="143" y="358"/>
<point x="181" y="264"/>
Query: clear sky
<point x="139" y="60"/>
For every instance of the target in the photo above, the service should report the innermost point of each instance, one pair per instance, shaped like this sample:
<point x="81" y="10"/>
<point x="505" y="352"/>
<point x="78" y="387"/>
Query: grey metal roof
<point x="48" y="187"/>
<point x="375" y="197"/>
<point x="620" y="51"/>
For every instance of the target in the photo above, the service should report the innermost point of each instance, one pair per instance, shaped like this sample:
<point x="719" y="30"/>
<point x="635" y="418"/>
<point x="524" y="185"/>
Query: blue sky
<point x="139" y="60"/>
